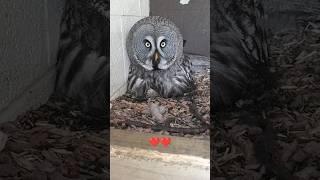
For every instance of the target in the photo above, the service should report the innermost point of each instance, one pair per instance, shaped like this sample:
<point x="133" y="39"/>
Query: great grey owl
<point x="83" y="56"/>
<point x="155" y="49"/>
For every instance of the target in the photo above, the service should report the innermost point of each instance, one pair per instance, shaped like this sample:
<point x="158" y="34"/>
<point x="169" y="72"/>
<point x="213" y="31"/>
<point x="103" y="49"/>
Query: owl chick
<point x="155" y="49"/>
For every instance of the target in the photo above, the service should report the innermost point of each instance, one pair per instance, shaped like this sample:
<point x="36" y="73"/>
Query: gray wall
<point x="284" y="14"/>
<point x="28" y="43"/>
<point x="193" y="20"/>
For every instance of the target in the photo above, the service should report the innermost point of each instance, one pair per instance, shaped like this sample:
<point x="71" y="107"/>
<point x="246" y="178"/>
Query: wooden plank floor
<point x="132" y="157"/>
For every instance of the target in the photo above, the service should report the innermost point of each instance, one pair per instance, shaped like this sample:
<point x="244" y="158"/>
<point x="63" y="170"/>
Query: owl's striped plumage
<point x="83" y="56"/>
<point x="155" y="64"/>
<point x="239" y="49"/>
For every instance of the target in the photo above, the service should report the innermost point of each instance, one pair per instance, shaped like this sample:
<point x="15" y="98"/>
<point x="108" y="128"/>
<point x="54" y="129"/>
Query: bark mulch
<point x="184" y="116"/>
<point x="54" y="142"/>
<point x="277" y="135"/>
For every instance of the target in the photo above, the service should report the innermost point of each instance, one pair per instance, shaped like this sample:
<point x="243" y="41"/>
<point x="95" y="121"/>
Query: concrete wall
<point x="123" y="14"/>
<point x="28" y="42"/>
<point x="193" y="19"/>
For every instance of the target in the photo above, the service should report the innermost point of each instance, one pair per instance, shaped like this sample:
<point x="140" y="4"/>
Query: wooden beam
<point x="179" y="145"/>
<point x="142" y="164"/>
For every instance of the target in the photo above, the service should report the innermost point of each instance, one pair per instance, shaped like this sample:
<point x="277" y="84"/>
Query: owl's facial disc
<point x="156" y="58"/>
<point x="149" y="48"/>
<point x="155" y="46"/>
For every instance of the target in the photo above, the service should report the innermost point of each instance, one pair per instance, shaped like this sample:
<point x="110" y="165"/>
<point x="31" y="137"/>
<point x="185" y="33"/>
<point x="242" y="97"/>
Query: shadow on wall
<point x="29" y="36"/>
<point x="287" y="14"/>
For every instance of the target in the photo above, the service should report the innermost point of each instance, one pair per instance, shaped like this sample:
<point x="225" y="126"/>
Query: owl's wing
<point x="198" y="63"/>
<point x="245" y="19"/>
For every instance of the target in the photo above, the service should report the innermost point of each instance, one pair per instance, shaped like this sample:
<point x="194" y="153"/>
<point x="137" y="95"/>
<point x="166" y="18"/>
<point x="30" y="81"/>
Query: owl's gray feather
<point x="83" y="56"/>
<point x="239" y="50"/>
<point x="171" y="77"/>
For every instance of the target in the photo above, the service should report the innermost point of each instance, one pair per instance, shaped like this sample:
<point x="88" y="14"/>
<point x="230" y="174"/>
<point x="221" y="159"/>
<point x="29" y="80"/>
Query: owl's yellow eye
<point x="147" y="44"/>
<point x="163" y="44"/>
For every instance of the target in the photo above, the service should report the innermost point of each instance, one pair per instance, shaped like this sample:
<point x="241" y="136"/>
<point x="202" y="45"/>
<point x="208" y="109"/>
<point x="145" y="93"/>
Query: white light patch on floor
<point x="140" y="164"/>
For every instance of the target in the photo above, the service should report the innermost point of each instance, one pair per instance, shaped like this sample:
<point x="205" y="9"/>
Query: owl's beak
<point x="156" y="57"/>
<point x="156" y="60"/>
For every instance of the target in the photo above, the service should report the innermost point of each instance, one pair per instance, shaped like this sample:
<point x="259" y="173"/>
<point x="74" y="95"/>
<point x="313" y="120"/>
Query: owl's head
<point x="155" y="43"/>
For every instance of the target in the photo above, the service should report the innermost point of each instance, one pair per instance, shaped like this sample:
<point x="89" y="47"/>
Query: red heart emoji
<point x="165" y="141"/>
<point x="154" y="141"/>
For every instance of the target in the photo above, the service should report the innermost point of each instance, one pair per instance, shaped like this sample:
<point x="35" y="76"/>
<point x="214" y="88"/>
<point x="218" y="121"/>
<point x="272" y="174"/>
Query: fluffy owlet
<point x="155" y="50"/>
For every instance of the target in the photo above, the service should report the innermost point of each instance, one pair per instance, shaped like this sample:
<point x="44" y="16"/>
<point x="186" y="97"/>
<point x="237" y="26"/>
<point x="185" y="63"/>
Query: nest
<point x="176" y="116"/>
